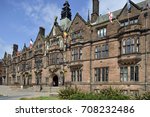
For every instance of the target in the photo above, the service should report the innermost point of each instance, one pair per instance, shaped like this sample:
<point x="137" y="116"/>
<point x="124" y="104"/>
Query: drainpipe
<point x="91" y="60"/>
<point x="145" y="15"/>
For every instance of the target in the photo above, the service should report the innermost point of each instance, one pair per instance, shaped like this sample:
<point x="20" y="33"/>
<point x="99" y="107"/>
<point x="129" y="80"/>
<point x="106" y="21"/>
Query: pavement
<point x="15" y="93"/>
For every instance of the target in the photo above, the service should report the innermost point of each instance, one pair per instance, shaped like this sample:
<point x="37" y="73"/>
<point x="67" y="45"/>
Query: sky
<point x="20" y="19"/>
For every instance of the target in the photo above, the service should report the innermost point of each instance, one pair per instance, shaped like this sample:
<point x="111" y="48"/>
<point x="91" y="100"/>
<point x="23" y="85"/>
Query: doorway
<point x="55" y="81"/>
<point x="1" y="80"/>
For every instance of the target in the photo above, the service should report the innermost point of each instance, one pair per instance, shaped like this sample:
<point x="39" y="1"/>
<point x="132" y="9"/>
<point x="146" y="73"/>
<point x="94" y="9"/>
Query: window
<point x="55" y="58"/>
<point x="129" y="21"/>
<point x="130" y="45"/>
<point x="97" y="74"/>
<point x="105" y="51"/>
<point x="23" y="67"/>
<point x="124" y="73"/>
<point x="76" y="75"/>
<point x="38" y="62"/>
<point x="30" y="54"/>
<point x="39" y="45"/>
<point x="76" y="35"/>
<point x="28" y="65"/>
<point x="76" y="54"/>
<point x="97" y="52"/>
<point x="134" y="73"/>
<point x="54" y="41"/>
<point x="105" y="74"/>
<point x="101" y="74"/>
<point x="102" y="32"/>
<point x="101" y="52"/>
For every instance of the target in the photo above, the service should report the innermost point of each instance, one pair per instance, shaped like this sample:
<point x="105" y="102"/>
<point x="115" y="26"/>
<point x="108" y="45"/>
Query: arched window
<point x="123" y="46"/>
<point x="129" y="46"/>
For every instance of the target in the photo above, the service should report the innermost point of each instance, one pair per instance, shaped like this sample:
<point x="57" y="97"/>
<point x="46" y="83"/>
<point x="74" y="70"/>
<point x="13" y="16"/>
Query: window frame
<point x="102" y="32"/>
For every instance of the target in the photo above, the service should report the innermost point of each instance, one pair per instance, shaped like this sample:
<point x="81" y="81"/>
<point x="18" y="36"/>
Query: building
<point x="0" y="72"/>
<point x="92" y="55"/>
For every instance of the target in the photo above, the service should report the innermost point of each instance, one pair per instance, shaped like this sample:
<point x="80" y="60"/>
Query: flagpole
<point x="117" y="21"/>
<point x="115" y="18"/>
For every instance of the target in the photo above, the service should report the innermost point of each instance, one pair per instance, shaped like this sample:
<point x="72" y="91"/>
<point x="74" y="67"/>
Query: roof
<point x="104" y="18"/>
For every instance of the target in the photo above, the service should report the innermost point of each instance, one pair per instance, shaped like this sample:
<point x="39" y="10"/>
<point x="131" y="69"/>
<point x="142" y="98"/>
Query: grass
<point x="41" y="98"/>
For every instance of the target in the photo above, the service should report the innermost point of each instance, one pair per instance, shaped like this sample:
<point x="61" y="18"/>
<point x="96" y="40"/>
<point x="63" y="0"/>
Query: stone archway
<point x="55" y="81"/>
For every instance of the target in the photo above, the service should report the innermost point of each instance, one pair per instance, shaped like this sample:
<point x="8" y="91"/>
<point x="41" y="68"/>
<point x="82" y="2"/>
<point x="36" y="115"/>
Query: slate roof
<point x="104" y="18"/>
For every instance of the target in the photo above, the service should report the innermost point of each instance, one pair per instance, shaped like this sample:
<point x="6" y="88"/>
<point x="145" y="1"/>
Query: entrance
<point x="1" y="80"/>
<point x="55" y="81"/>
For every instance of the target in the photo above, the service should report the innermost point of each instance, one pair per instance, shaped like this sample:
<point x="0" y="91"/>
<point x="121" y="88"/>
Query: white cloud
<point x="4" y="47"/>
<point x="41" y="13"/>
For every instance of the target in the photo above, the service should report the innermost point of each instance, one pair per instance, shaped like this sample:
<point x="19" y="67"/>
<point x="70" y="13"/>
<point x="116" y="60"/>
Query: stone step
<point x="54" y="89"/>
<point x="53" y="94"/>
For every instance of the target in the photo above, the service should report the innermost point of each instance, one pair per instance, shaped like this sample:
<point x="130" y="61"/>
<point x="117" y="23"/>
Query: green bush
<point x="67" y="92"/>
<point x="83" y="96"/>
<point x="112" y="94"/>
<point x="104" y="94"/>
<point x="144" y="96"/>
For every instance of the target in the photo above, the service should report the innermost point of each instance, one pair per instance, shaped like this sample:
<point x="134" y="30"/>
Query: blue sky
<point x="20" y="19"/>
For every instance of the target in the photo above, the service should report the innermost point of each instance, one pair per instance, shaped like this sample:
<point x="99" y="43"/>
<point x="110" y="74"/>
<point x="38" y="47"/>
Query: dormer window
<point x="39" y="45"/>
<point x="54" y="41"/>
<point x="102" y="32"/>
<point x="129" y="21"/>
<point x="76" y="35"/>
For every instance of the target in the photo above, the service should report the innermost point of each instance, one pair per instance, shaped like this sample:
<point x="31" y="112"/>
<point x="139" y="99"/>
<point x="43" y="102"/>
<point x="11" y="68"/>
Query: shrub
<point x="112" y="94"/>
<point x="67" y="92"/>
<point x="104" y="94"/>
<point x="144" y="96"/>
<point x="83" y="96"/>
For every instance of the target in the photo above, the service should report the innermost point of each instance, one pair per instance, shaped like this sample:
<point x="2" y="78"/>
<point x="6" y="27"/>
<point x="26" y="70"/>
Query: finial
<point x="88" y="20"/>
<point x="55" y="22"/>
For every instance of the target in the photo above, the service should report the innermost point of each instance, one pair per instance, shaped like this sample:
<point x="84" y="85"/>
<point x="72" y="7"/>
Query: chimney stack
<point x="15" y="49"/>
<point x="95" y="13"/>
<point x="42" y="31"/>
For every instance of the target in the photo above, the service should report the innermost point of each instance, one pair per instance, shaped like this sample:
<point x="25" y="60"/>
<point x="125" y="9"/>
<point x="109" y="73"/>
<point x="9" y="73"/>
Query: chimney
<point x="42" y="31"/>
<point x="95" y="13"/>
<point x="15" y="49"/>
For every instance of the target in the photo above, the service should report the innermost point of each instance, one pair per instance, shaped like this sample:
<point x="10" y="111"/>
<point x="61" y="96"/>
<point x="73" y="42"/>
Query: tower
<point x="95" y="11"/>
<point x="65" y="15"/>
<point x="66" y="11"/>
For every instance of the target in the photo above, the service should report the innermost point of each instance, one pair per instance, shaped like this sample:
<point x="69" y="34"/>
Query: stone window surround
<point x="130" y="45"/>
<point x="129" y="73"/>
<point x="101" y="74"/>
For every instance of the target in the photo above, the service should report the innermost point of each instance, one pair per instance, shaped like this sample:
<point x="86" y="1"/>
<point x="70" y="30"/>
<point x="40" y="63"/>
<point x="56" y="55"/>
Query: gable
<point x="78" y="30"/>
<point x="125" y="13"/>
<point x="77" y="24"/>
<point x="39" y="40"/>
<point x="56" y="30"/>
